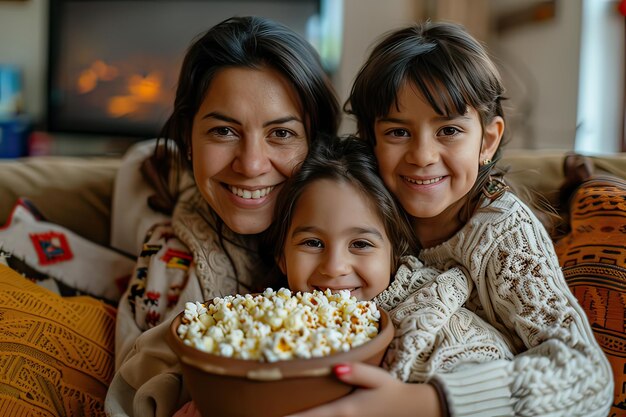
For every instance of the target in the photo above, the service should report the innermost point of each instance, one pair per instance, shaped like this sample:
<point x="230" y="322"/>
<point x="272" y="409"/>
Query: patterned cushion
<point x="61" y="260"/>
<point x="593" y="257"/>
<point x="57" y="352"/>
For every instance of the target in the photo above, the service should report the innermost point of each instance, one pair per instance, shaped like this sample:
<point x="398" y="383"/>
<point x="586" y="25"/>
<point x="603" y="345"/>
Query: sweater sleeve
<point x="160" y="275"/>
<point x="562" y="370"/>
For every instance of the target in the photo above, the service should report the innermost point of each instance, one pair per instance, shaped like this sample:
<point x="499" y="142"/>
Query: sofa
<point x="74" y="197"/>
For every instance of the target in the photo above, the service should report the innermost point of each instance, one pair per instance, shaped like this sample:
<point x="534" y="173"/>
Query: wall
<point x="540" y="61"/>
<point x="364" y="22"/>
<point x="601" y="98"/>
<point x="23" y="34"/>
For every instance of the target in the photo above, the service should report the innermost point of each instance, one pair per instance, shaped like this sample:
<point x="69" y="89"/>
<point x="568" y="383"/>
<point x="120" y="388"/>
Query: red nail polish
<point x="341" y="370"/>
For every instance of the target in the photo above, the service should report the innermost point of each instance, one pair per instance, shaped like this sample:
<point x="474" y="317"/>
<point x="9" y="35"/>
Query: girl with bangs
<point x="437" y="125"/>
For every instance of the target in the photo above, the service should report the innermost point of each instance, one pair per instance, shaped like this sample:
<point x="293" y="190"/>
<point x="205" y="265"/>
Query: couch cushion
<point x="61" y="260"/>
<point x="57" y="353"/>
<point x="70" y="191"/>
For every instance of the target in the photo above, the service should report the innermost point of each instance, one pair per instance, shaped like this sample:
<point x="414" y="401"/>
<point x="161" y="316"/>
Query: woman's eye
<point x="361" y="244"/>
<point x="222" y="131"/>
<point x="312" y="243"/>
<point x="283" y="133"/>
<point x="448" y="131"/>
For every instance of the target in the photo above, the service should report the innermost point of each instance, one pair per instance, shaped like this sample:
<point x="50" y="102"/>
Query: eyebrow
<point x="223" y="117"/>
<point x="354" y="230"/>
<point x="435" y="119"/>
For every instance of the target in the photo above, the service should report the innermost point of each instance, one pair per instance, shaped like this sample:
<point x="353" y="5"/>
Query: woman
<point x="252" y="95"/>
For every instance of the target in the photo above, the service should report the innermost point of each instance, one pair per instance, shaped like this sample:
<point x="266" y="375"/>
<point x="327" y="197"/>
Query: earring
<point x="494" y="188"/>
<point x="189" y="154"/>
<point x="486" y="162"/>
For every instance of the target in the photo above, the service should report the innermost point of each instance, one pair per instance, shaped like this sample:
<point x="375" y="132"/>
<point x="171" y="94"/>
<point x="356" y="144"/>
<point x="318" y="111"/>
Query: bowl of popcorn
<point x="272" y="354"/>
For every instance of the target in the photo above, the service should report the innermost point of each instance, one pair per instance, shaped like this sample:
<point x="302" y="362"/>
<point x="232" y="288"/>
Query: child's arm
<point x="420" y="302"/>
<point x="410" y="277"/>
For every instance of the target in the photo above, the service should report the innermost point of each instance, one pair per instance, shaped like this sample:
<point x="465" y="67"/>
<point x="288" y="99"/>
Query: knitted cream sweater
<point x="519" y="289"/>
<point x="434" y="332"/>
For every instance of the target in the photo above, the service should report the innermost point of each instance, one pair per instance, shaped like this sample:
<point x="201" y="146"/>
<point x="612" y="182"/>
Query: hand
<point x="188" y="410"/>
<point x="379" y="394"/>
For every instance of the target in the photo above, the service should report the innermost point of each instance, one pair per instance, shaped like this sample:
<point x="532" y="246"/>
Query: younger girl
<point x="436" y="126"/>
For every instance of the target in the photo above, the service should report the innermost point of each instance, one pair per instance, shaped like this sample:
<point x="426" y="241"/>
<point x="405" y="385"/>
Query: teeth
<point x="335" y="291"/>
<point x="423" y="182"/>
<point x="248" y="194"/>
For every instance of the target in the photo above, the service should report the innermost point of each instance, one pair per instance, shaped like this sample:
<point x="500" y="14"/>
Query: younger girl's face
<point x="336" y="241"/>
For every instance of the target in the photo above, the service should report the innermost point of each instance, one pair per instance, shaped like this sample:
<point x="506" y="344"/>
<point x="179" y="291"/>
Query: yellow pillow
<point x="56" y="354"/>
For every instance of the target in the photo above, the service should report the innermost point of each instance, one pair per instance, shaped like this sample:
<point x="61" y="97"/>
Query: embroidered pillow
<point x="61" y="260"/>
<point x="593" y="258"/>
<point x="57" y="353"/>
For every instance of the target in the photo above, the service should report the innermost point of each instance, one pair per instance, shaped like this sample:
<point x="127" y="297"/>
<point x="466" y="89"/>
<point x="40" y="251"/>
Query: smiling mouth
<point x="423" y="182"/>
<point x="335" y="290"/>
<point x="250" y="194"/>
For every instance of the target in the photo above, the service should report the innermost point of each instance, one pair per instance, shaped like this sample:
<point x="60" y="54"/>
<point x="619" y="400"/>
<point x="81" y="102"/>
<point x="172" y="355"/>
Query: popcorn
<point x="279" y="325"/>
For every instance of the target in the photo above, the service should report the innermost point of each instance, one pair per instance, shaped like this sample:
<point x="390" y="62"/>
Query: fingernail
<point x="341" y="370"/>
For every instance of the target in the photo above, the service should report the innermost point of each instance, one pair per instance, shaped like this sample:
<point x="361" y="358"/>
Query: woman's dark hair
<point x="248" y="42"/>
<point x="348" y="160"/>
<point x="450" y="68"/>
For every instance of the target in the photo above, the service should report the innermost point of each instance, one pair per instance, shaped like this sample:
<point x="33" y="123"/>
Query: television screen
<point x="113" y="65"/>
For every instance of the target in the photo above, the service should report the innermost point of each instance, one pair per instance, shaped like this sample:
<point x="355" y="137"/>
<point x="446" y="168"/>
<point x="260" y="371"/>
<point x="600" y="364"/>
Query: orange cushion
<point x="593" y="257"/>
<point x="56" y="353"/>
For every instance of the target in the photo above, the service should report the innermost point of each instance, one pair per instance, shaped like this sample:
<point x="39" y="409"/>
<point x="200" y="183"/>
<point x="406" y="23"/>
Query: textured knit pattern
<point x="434" y="333"/>
<point x="519" y="288"/>
<point x="57" y="353"/>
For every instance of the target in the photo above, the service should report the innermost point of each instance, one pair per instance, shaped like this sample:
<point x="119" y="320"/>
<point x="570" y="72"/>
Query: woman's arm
<point x="160" y="275"/>
<point x="379" y="394"/>
<point x="148" y="376"/>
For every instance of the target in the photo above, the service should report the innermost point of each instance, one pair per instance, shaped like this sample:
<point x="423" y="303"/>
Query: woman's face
<point x="247" y="137"/>
<point x="336" y="241"/>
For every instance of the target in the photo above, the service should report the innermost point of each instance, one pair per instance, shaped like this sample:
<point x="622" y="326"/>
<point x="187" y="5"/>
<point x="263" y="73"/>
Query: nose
<point x="422" y="152"/>
<point x="335" y="263"/>
<point x="252" y="158"/>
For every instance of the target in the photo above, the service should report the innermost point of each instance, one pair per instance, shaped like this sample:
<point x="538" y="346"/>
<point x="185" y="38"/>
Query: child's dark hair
<point x="352" y="161"/>
<point x="450" y="69"/>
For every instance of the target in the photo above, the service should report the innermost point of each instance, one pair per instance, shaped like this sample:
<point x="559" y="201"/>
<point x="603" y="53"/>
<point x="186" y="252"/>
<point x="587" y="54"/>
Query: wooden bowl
<point x="228" y="387"/>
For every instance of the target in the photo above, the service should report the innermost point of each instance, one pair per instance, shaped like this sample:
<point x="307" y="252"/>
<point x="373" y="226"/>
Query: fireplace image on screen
<point x="113" y="65"/>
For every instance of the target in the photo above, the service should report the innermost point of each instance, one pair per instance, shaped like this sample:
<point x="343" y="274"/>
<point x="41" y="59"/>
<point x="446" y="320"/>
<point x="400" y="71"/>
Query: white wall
<point x="601" y="98"/>
<point x="364" y="22"/>
<point x="540" y="67"/>
<point x="23" y="42"/>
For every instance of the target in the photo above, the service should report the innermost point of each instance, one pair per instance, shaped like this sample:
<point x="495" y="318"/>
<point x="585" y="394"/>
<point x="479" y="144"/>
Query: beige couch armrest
<point x="542" y="170"/>
<point x="72" y="192"/>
